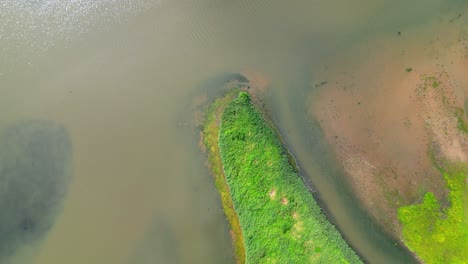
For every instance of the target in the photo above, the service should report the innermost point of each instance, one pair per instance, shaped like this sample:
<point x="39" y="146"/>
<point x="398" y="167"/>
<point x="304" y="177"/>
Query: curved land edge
<point x="210" y="139"/>
<point x="273" y="219"/>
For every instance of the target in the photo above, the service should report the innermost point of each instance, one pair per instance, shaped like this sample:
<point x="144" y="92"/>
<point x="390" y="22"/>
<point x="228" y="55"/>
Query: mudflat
<point x="394" y="116"/>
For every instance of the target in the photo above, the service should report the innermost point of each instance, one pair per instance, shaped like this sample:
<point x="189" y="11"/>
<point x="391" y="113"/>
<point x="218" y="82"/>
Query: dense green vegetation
<point x="280" y="220"/>
<point x="437" y="233"/>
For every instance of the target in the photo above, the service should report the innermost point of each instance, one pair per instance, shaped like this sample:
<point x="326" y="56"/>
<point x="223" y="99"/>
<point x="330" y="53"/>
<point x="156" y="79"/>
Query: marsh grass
<point x="280" y="220"/>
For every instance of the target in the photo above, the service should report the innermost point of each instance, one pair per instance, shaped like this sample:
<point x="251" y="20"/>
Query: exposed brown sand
<point x="258" y="84"/>
<point x="382" y="120"/>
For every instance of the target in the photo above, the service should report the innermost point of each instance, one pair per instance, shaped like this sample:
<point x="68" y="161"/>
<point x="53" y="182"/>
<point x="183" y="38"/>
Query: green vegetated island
<point x="274" y="218"/>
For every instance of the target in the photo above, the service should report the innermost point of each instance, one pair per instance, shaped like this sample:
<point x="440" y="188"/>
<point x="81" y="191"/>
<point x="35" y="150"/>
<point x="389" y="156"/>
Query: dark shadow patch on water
<point x="35" y="171"/>
<point x="216" y="87"/>
<point x="208" y="90"/>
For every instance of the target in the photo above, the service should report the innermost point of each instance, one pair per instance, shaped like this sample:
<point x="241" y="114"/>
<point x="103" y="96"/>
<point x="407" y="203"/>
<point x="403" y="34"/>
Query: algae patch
<point x="435" y="233"/>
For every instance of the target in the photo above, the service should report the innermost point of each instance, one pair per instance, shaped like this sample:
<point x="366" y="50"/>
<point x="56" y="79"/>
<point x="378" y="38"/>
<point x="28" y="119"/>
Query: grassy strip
<point x="210" y="139"/>
<point x="280" y="220"/>
<point x="437" y="234"/>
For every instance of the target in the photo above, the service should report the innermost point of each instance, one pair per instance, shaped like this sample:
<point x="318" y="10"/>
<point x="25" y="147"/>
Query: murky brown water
<point x="120" y="76"/>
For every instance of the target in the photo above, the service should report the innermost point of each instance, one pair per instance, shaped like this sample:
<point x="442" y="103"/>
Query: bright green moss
<point x="436" y="234"/>
<point x="280" y="220"/>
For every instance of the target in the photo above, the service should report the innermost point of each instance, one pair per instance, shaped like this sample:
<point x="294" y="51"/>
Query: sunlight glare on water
<point x="31" y="26"/>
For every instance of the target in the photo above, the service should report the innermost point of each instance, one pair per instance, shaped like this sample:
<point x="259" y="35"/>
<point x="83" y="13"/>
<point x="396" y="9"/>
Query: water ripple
<point x="29" y="27"/>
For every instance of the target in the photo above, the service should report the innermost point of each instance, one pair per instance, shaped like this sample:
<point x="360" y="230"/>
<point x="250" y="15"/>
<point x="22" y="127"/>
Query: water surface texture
<point x="121" y="76"/>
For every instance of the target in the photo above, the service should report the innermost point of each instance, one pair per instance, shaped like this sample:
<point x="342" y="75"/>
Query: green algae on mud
<point x="210" y="140"/>
<point x="437" y="233"/>
<point x="280" y="222"/>
<point x="436" y="228"/>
